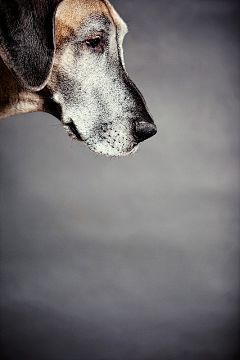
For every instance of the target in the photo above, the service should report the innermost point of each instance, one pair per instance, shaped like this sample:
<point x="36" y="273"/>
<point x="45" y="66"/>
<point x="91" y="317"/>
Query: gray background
<point x="133" y="258"/>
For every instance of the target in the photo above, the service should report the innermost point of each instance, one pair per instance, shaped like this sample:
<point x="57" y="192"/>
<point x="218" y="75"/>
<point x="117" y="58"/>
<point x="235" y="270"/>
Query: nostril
<point x="144" y="130"/>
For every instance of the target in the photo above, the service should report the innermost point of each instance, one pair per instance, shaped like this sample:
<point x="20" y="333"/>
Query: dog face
<point x="99" y="103"/>
<point x="65" y="57"/>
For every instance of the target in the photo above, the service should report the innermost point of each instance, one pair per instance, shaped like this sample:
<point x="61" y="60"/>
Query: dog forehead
<point x="72" y="13"/>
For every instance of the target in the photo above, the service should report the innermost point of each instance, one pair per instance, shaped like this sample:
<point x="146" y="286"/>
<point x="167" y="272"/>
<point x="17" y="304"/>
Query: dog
<point x="65" y="57"/>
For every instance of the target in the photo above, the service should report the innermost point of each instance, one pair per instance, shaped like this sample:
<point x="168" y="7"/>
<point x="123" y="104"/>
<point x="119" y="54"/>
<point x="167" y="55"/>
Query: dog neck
<point x="13" y="98"/>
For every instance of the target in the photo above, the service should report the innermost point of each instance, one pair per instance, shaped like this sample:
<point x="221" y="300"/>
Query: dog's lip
<point x="72" y="130"/>
<point x="72" y="127"/>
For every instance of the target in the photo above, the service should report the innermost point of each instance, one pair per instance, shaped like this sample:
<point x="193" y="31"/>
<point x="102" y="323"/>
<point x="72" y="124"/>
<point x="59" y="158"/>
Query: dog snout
<point x="144" y="129"/>
<point x="143" y="126"/>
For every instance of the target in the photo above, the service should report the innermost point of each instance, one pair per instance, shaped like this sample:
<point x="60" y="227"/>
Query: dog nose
<point x="144" y="130"/>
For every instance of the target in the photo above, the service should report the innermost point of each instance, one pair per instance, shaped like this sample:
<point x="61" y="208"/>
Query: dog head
<point x="84" y="81"/>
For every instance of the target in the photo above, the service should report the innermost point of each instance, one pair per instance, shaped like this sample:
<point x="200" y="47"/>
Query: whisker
<point x="56" y="125"/>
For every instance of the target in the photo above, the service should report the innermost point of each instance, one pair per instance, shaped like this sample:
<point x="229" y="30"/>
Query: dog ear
<point x="27" y="39"/>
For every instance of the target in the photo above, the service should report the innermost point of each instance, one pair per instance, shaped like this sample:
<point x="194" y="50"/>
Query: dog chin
<point x="103" y="148"/>
<point x="112" y="152"/>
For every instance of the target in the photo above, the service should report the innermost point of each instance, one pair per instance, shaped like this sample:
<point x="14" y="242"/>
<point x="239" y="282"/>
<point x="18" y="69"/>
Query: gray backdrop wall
<point x="135" y="258"/>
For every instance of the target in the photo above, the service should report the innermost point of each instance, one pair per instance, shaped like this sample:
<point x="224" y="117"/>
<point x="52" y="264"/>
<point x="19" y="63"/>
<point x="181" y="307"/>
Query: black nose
<point x="144" y="130"/>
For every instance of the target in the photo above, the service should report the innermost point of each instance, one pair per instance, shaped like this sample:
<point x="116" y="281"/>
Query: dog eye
<point x="93" y="43"/>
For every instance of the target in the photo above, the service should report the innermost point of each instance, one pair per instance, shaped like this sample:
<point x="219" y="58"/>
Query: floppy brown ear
<point x="27" y="39"/>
